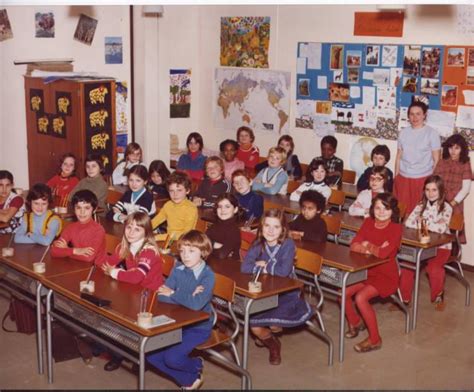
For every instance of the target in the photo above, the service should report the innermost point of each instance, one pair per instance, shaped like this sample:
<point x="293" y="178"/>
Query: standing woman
<point x="418" y="152"/>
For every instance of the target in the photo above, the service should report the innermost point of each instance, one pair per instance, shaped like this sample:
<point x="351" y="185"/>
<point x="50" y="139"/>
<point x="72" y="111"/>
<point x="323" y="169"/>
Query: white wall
<point x="113" y="21"/>
<point x="189" y="37"/>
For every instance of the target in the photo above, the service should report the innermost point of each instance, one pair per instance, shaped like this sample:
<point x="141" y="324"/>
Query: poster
<point x="180" y="93"/>
<point x="245" y="41"/>
<point x="121" y="95"/>
<point x="113" y="50"/>
<point x="85" y="29"/>
<point x="5" y="27"/>
<point x="44" y="25"/>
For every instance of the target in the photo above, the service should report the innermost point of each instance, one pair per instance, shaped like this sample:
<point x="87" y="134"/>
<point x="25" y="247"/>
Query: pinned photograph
<point x="44" y="25"/>
<point x="409" y="84"/>
<point x="337" y="57"/>
<point x="430" y="62"/>
<point x="303" y="87"/>
<point x="470" y="76"/>
<point x="180" y="93"/>
<point x="353" y="58"/>
<point x="389" y="55"/>
<point x="113" y="50"/>
<point x="85" y="29"/>
<point x="372" y="55"/>
<point x="449" y="95"/>
<point x="470" y="57"/>
<point x="323" y="107"/>
<point x="343" y="114"/>
<point x="5" y="27"/>
<point x="411" y="60"/>
<point x="429" y="86"/>
<point x="456" y="57"/>
<point x="353" y="75"/>
<point x="381" y="76"/>
<point x="339" y="92"/>
<point x="338" y="76"/>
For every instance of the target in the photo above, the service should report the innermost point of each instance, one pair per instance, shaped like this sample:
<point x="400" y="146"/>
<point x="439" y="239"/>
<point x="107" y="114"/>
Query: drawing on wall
<point x="449" y="95"/>
<point x="59" y="126"/>
<point x="337" y="56"/>
<point x="245" y="41"/>
<point x="353" y="58"/>
<point x="180" y="93"/>
<point x="411" y="60"/>
<point x="113" y="50"/>
<point x="353" y="75"/>
<point x="44" y="25"/>
<point x="455" y="57"/>
<point x="430" y="62"/>
<point x="63" y="103"/>
<point x="85" y="29"/>
<point x="43" y="124"/>
<point x="470" y="57"/>
<point x="372" y="55"/>
<point x="389" y="55"/>
<point x="470" y="76"/>
<point x="409" y="84"/>
<point x="339" y="92"/>
<point x="303" y="87"/>
<point x="323" y="107"/>
<point x="121" y="95"/>
<point x="5" y="27"/>
<point x="36" y="100"/>
<point x="429" y="86"/>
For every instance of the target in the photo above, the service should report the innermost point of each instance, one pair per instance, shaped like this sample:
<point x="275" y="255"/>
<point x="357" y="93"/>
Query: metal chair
<point x="224" y="291"/>
<point x="397" y="298"/>
<point x="307" y="268"/>
<point x="456" y="225"/>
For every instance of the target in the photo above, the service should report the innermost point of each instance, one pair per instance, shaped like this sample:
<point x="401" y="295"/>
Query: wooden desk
<point x="116" y="323"/>
<point x="22" y="282"/>
<point x="341" y="268"/>
<point x="280" y="202"/>
<point x="247" y="303"/>
<point x="350" y="190"/>
<point x="411" y="250"/>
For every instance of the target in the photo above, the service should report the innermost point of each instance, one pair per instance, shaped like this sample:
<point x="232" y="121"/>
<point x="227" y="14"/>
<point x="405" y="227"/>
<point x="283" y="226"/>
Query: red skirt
<point x="408" y="191"/>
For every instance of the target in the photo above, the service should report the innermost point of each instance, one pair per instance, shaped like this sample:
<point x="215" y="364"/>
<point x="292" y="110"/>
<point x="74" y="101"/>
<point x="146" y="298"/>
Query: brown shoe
<point x="353" y="331"/>
<point x="84" y="349"/>
<point x="274" y="346"/>
<point x="365" y="346"/>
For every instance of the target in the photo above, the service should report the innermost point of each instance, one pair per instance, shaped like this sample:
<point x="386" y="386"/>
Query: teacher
<point x="418" y="152"/>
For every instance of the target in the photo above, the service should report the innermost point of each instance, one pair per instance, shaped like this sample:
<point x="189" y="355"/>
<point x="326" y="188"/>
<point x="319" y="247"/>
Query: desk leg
<point x="245" y="342"/>
<point x="417" y="287"/>
<point x="141" y="364"/>
<point x="39" y="334"/>
<point x="49" y="342"/>
<point x="343" y="315"/>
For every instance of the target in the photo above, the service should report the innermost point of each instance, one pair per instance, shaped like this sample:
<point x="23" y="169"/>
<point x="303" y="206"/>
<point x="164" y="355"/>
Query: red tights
<point x="436" y="275"/>
<point x="363" y="294"/>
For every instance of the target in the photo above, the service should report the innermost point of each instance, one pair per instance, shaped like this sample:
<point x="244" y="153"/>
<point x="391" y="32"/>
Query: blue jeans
<point x="175" y="362"/>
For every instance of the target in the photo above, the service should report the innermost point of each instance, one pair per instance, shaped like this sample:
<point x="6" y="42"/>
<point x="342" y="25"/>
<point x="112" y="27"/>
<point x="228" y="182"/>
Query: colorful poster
<point x="121" y="95"/>
<point x="85" y="29"/>
<point x="113" y="50"/>
<point x="5" y="27"/>
<point x="245" y="41"/>
<point x="180" y="93"/>
<point x="44" y="25"/>
<point x="411" y="60"/>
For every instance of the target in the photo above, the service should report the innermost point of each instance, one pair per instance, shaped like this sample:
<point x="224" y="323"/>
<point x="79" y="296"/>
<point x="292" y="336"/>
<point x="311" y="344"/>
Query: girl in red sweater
<point x="63" y="183"/>
<point x="137" y="259"/>
<point x="380" y="236"/>
<point x="248" y="153"/>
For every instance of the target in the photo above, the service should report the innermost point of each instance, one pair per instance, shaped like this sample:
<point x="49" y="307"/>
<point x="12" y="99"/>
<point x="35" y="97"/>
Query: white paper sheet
<point x="386" y="102"/>
<point x="465" y="117"/>
<point x="442" y="121"/>
<point x="368" y="95"/>
<point x="355" y="91"/>
<point x="314" y="55"/>
<point x="365" y="116"/>
<point x="322" y="125"/>
<point x="468" y="97"/>
<point x="367" y="75"/>
<point x="303" y="49"/>
<point x="322" y="82"/>
<point x="389" y="55"/>
<point x="301" y="65"/>
<point x="381" y="76"/>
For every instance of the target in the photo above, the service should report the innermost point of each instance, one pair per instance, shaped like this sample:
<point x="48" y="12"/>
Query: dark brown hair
<point x="197" y="138"/>
<point x="383" y="171"/>
<point x="180" y="178"/>
<point x="453" y="140"/>
<point x="197" y="239"/>
<point x="68" y="155"/>
<point x="289" y="139"/>
<point x="272" y="213"/>
<point x="381" y="149"/>
<point x="39" y="191"/>
<point x="438" y="181"/>
<point x="248" y="130"/>
<point x="389" y="202"/>
<point x="158" y="166"/>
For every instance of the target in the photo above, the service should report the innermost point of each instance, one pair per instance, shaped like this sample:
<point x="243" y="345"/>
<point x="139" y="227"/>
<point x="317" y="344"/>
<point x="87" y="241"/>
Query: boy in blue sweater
<point x="190" y="284"/>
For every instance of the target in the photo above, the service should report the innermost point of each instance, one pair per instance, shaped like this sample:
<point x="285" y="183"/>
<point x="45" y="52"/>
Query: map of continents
<point x="257" y="98"/>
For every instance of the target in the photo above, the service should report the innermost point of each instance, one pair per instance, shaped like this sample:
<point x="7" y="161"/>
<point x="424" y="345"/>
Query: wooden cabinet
<point x="76" y="116"/>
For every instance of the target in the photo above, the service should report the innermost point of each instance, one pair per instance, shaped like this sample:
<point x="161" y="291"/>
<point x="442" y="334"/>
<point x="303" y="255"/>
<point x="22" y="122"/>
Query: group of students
<point x="234" y="195"/>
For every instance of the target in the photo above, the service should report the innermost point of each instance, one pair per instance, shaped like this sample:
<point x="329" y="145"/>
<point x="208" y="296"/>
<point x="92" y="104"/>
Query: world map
<point x="259" y="99"/>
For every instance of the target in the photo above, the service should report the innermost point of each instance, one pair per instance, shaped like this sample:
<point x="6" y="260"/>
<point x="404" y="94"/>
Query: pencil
<point x="152" y="302"/>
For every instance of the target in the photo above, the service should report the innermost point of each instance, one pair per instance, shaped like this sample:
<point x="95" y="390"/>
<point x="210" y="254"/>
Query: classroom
<point x="171" y="76"/>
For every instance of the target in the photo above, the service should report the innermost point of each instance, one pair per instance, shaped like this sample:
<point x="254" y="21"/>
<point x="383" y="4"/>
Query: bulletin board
<point x="365" y="89"/>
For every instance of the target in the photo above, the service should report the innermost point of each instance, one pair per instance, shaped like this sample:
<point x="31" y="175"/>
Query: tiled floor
<point x="438" y="355"/>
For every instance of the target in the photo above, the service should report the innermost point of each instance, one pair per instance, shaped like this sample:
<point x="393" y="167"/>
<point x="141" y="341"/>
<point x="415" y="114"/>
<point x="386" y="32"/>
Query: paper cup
<point x="165" y="251"/>
<point x="255" y="287"/>
<point x="62" y="210"/>
<point x="39" y="268"/>
<point x="8" y="252"/>
<point x="144" y="319"/>
<point x="87" y="287"/>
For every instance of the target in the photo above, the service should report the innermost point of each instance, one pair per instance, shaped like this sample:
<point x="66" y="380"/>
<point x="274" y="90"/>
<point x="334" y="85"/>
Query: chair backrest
<point x="308" y="261"/>
<point x="195" y="185"/>
<point x="337" y="198"/>
<point x="113" y="196"/>
<point x="224" y="288"/>
<point x="201" y="225"/>
<point x="304" y="169"/>
<point x="292" y="186"/>
<point x="168" y="264"/>
<point x="402" y="207"/>
<point x="111" y="243"/>
<point x="333" y="224"/>
<point x="348" y="176"/>
<point x="457" y="222"/>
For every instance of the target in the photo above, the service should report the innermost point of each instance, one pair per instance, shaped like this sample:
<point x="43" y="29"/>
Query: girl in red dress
<point x="380" y="236"/>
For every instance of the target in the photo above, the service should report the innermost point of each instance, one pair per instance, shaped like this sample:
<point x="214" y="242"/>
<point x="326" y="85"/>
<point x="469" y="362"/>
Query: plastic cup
<point x="425" y="239"/>
<point x="144" y="319"/>
<point x="255" y="287"/>
<point x="87" y="286"/>
<point x="8" y="252"/>
<point x="39" y="268"/>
